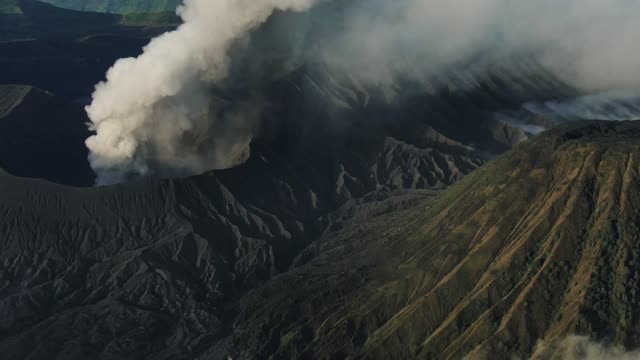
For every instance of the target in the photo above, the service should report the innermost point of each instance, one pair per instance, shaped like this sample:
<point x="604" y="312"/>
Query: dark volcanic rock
<point x="42" y="136"/>
<point x="271" y="259"/>
<point x="153" y="268"/>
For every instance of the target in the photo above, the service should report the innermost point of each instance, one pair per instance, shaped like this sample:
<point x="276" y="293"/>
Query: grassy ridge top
<point x="32" y="19"/>
<point x="119" y="6"/>
<point x="29" y="19"/>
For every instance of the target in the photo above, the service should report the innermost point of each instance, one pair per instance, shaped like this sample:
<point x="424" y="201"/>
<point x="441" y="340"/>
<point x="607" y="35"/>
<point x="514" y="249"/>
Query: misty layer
<point x="612" y="106"/>
<point x="588" y="43"/>
<point x="155" y="114"/>
<point x="575" y="347"/>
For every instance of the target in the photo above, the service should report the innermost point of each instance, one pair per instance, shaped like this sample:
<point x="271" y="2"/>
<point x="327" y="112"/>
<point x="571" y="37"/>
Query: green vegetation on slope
<point x="29" y="19"/>
<point x="11" y="96"/>
<point x="42" y="135"/>
<point x="119" y="6"/>
<point x="537" y="245"/>
<point x="35" y="19"/>
<point x="150" y="18"/>
<point x="9" y="7"/>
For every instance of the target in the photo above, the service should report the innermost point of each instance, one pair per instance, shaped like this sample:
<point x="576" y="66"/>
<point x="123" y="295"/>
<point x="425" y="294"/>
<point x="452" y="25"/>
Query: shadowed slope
<point x="536" y="245"/>
<point x="127" y="272"/>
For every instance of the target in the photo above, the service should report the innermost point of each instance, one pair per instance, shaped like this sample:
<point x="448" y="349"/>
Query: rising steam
<point x="575" y="347"/>
<point x="155" y="114"/>
<point x="155" y="111"/>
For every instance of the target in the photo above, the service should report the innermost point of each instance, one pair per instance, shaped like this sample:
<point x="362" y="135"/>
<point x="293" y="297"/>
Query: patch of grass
<point x="10" y="7"/>
<point x="119" y="6"/>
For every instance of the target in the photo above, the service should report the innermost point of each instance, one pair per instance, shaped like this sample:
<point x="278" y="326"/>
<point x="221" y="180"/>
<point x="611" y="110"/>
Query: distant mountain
<point x="57" y="56"/>
<point x="9" y="7"/>
<point x="29" y="19"/>
<point x="119" y="6"/>
<point x="151" y="269"/>
<point x="42" y="136"/>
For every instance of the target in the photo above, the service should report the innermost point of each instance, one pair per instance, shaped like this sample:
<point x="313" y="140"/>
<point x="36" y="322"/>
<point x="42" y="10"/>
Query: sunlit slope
<point x="540" y="244"/>
<point x="119" y="6"/>
<point x="29" y="19"/>
<point x="9" y="7"/>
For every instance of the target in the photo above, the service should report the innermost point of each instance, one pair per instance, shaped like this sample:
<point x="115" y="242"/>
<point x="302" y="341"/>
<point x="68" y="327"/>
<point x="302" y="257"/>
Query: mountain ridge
<point x="487" y="270"/>
<point x="75" y="253"/>
<point x="120" y="7"/>
<point x="414" y="219"/>
<point x="197" y="267"/>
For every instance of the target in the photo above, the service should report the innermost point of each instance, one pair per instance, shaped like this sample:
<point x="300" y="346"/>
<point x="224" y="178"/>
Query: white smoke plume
<point x="589" y="43"/>
<point x="155" y="111"/>
<point x="575" y="347"/>
<point x="612" y="106"/>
